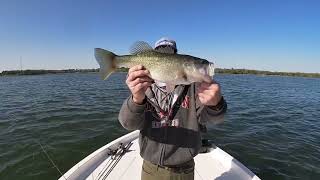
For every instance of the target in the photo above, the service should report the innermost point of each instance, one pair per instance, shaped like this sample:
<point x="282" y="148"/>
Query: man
<point x="169" y="123"/>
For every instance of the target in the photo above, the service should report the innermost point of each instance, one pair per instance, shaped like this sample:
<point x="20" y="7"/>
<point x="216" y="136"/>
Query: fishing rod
<point x="114" y="154"/>
<point x="123" y="150"/>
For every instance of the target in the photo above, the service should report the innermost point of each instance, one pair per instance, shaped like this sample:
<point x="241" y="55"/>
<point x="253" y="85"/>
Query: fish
<point x="172" y="69"/>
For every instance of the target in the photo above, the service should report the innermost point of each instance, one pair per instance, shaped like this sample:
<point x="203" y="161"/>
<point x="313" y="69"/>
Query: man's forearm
<point x="131" y="115"/>
<point x="213" y="114"/>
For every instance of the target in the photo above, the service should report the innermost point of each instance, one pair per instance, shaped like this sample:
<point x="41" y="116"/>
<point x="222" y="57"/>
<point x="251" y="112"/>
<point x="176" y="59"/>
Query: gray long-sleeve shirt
<point x="169" y="138"/>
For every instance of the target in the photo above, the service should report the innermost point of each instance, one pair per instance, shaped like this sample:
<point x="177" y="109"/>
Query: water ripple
<point x="272" y="124"/>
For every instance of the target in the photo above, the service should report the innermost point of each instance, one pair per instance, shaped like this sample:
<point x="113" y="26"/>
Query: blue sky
<point x="58" y="34"/>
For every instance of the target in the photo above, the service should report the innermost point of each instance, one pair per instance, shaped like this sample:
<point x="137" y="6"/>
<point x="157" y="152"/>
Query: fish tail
<point x="106" y="60"/>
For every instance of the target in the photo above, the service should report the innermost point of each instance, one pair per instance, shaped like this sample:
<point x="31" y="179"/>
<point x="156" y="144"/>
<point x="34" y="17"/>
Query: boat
<point x="120" y="159"/>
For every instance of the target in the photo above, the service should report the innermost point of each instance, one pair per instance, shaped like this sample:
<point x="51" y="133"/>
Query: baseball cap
<point x="166" y="42"/>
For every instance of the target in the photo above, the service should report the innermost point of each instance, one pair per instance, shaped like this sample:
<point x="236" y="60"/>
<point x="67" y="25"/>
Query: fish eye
<point x="202" y="71"/>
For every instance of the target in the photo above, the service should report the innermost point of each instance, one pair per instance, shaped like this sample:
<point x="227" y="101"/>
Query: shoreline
<point x="217" y="71"/>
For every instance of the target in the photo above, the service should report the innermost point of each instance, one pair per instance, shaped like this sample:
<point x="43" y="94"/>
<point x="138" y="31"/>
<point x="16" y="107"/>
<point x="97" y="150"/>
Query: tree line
<point x="272" y="73"/>
<point x="217" y="70"/>
<point x="42" y="71"/>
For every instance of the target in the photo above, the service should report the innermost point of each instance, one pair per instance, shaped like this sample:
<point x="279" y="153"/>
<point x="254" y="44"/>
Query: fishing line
<point x="51" y="159"/>
<point x="12" y="116"/>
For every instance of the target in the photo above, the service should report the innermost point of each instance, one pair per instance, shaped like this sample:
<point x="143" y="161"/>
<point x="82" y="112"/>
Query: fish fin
<point x="140" y="46"/>
<point x="170" y="87"/>
<point x="106" y="60"/>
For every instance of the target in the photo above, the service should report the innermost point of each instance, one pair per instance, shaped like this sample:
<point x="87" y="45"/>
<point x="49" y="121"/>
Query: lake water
<point x="272" y="125"/>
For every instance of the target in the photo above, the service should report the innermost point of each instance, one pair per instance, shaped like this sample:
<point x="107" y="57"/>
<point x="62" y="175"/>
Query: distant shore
<point x="217" y="70"/>
<point x="266" y="73"/>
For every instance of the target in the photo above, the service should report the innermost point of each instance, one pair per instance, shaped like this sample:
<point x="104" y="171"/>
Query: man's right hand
<point x="138" y="81"/>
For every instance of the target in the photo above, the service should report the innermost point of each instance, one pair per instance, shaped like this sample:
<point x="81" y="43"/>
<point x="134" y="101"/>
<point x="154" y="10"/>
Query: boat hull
<point x="120" y="159"/>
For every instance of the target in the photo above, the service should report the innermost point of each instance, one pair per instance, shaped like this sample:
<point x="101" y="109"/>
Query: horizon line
<point x="120" y="68"/>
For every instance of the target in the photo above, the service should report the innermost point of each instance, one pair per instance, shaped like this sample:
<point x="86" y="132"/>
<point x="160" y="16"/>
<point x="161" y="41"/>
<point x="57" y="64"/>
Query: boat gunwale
<point x="87" y="165"/>
<point x="93" y="157"/>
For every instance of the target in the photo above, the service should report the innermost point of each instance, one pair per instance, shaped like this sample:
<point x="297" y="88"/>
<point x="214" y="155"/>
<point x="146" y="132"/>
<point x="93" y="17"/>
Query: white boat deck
<point x="215" y="164"/>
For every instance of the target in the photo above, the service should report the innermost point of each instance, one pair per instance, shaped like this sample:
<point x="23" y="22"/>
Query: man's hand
<point x="209" y="93"/>
<point x="138" y="81"/>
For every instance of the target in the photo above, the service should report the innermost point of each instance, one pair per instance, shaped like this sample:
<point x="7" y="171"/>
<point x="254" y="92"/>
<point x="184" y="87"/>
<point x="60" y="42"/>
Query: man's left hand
<point x="209" y="93"/>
